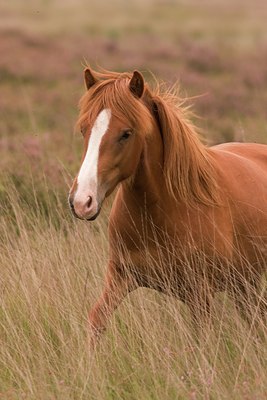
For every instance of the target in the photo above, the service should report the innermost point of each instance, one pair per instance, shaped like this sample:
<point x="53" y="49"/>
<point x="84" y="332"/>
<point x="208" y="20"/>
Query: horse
<point x="187" y="219"/>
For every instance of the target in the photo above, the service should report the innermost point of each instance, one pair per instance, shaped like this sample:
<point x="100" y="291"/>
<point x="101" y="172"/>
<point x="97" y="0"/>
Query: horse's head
<point x="114" y="121"/>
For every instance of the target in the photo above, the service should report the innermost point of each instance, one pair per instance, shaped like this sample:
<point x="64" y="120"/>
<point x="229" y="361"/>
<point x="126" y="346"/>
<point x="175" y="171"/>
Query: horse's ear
<point x="137" y="84"/>
<point x="89" y="78"/>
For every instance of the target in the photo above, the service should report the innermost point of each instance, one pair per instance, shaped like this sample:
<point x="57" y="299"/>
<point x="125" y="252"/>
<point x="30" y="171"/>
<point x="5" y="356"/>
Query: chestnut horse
<point x="187" y="219"/>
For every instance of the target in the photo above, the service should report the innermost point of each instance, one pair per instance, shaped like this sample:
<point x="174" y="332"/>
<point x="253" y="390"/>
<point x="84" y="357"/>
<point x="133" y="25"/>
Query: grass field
<point x="52" y="266"/>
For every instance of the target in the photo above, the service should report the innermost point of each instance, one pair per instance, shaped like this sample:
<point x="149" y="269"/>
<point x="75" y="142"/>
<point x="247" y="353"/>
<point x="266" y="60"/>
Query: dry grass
<point x="51" y="272"/>
<point x="51" y="265"/>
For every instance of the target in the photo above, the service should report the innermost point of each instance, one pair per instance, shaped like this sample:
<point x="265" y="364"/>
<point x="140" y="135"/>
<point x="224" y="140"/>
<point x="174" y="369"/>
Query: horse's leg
<point x="116" y="288"/>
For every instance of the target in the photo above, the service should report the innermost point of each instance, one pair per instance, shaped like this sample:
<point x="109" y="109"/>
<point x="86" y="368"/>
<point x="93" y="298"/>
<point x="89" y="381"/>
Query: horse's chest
<point x="176" y="256"/>
<point x="171" y="271"/>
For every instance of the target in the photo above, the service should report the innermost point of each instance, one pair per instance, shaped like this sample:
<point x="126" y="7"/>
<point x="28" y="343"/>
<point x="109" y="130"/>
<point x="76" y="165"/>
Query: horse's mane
<point x="188" y="164"/>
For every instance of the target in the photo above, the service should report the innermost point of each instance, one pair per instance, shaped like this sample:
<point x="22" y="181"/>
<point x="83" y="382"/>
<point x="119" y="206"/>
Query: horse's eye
<point x="125" y="135"/>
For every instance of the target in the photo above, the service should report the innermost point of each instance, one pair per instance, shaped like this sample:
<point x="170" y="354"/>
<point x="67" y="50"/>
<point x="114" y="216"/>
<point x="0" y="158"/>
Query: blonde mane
<point x="188" y="165"/>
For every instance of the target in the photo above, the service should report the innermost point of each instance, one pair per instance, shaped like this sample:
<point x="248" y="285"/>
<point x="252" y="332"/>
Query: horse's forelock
<point x="113" y="93"/>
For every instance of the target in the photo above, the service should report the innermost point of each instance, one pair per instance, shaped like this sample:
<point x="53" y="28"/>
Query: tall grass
<point x="51" y="273"/>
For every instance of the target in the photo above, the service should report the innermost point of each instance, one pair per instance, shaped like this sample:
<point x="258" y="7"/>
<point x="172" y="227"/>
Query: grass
<point x="51" y="273"/>
<point x="52" y="266"/>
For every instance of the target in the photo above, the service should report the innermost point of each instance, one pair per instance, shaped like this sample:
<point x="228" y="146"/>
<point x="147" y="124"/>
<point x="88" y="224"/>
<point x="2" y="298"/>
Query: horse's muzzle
<point x="84" y="210"/>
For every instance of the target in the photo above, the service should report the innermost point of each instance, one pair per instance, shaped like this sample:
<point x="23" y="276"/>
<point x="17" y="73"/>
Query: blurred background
<point x="216" y="49"/>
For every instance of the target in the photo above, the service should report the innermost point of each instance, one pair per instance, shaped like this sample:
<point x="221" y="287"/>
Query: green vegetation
<point x="52" y="265"/>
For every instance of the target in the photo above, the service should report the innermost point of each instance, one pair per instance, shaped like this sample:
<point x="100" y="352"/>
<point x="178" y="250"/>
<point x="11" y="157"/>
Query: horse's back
<point x="243" y="162"/>
<point x="253" y="152"/>
<point x="243" y="170"/>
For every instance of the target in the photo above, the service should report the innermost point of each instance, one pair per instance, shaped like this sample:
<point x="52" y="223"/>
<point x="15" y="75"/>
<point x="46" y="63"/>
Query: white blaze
<point x="87" y="177"/>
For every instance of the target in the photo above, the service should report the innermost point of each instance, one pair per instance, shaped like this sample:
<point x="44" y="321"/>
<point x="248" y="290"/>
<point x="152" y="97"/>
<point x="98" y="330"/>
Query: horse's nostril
<point x="71" y="203"/>
<point x="89" y="201"/>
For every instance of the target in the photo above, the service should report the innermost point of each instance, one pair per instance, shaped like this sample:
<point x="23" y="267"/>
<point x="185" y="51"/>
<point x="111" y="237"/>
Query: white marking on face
<point x="87" y="177"/>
